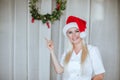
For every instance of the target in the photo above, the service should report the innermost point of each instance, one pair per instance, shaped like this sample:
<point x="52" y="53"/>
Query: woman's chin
<point x="75" y="41"/>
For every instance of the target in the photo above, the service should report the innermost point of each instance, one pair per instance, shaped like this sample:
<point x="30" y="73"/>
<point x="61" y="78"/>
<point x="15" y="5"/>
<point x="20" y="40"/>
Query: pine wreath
<point x="55" y="15"/>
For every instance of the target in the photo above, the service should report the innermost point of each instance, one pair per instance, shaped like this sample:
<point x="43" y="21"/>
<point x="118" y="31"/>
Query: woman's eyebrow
<point x="76" y="29"/>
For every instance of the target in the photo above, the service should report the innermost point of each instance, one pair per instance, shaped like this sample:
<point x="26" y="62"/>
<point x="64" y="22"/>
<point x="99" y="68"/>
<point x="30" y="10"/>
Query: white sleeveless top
<point x="92" y="66"/>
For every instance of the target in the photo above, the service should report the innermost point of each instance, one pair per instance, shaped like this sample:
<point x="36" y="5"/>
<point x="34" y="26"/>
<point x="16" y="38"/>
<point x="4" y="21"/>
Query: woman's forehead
<point x="73" y="28"/>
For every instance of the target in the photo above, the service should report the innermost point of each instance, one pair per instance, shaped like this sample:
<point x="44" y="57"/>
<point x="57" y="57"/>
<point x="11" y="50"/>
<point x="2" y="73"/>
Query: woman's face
<point x="74" y="35"/>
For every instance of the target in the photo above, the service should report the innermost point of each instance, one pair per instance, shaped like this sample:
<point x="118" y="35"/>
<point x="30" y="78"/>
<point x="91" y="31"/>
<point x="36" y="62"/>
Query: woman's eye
<point x="70" y="32"/>
<point x="77" y="31"/>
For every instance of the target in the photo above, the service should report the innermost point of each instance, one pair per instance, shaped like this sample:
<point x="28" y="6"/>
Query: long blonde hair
<point x="83" y="56"/>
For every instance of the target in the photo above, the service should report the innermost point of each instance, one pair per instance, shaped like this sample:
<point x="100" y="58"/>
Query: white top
<point x="92" y="66"/>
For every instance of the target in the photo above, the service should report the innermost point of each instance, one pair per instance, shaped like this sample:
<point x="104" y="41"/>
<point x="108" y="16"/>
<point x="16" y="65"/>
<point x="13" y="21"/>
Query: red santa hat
<point x="73" y="21"/>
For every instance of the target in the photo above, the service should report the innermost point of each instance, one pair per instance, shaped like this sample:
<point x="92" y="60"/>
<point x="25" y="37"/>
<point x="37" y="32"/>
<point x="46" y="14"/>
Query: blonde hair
<point x="83" y="56"/>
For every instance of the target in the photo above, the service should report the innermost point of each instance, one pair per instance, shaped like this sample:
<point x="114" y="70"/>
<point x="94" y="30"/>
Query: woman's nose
<point x="74" y="34"/>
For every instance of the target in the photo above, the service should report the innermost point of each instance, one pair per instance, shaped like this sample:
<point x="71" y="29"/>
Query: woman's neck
<point x="77" y="47"/>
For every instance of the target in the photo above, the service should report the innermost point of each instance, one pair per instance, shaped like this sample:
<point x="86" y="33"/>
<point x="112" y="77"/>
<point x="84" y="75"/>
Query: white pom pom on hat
<point x="73" y="21"/>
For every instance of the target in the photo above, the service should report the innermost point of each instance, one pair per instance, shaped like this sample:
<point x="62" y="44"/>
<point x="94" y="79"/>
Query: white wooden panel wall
<point x="104" y="33"/>
<point x="23" y="53"/>
<point x="44" y="57"/>
<point x="5" y="41"/>
<point x="20" y="40"/>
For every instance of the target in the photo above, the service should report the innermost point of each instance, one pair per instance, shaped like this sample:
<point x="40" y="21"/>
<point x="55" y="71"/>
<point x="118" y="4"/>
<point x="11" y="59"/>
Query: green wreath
<point x="55" y="15"/>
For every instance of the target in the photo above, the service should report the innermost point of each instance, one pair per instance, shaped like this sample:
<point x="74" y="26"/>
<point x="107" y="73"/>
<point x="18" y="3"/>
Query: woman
<point x="80" y="61"/>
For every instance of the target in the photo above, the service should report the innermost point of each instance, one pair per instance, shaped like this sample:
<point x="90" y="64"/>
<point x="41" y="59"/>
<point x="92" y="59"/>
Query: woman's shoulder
<point x="92" y="49"/>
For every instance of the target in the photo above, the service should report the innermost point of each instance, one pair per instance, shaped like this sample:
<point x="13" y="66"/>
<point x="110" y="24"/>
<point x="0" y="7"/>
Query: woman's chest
<point x="75" y="66"/>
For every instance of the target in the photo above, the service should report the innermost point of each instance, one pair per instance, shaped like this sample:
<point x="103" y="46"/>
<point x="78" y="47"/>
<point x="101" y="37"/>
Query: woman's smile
<point x="74" y="38"/>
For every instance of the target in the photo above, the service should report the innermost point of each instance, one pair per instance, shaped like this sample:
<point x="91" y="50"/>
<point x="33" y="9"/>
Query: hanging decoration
<point x="46" y="18"/>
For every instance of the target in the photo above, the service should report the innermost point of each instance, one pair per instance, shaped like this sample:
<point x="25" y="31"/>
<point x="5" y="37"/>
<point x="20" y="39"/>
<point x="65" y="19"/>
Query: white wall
<point x="104" y="33"/>
<point x="23" y="53"/>
<point x="22" y="44"/>
<point x="6" y="57"/>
